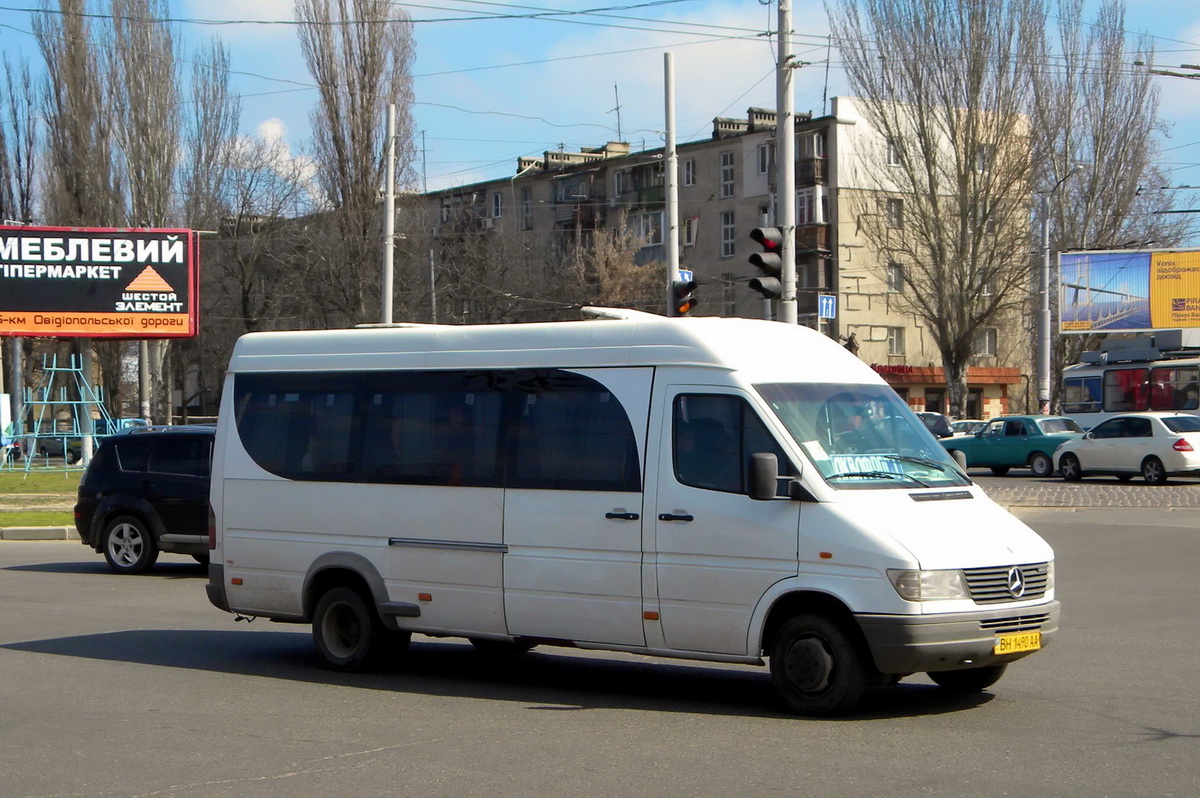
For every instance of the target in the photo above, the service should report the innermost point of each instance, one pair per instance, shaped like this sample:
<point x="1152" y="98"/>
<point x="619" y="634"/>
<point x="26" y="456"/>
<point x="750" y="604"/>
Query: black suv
<point x="146" y="491"/>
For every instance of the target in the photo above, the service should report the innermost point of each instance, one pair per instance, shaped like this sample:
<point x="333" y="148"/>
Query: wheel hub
<point x="809" y="665"/>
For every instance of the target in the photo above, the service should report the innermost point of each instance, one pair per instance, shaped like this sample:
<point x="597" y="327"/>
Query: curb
<point x="39" y="533"/>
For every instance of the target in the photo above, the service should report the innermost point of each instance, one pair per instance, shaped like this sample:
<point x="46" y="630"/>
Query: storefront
<point x="990" y="391"/>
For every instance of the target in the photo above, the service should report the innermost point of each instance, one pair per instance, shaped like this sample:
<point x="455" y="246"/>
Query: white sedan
<point x="1155" y="445"/>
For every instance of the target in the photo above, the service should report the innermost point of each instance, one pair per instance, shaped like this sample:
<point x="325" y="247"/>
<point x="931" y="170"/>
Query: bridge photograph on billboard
<point x="98" y="282"/>
<point x="1128" y="290"/>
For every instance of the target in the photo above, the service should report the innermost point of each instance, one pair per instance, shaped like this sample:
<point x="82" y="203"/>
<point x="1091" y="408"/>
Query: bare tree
<point x="361" y="59"/>
<point x="18" y="142"/>
<point x="82" y="185"/>
<point x="1092" y="109"/>
<point x="209" y="132"/>
<point x="948" y="96"/>
<point x="144" y="84"/>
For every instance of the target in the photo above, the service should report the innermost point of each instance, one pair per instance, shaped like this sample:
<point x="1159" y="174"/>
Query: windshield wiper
<point x="925" y="461"/>
<point x="878" y="475"/>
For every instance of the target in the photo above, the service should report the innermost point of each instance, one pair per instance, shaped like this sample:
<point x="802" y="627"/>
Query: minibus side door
<point x="573" y="504"/>
<point x="717" y="550"/>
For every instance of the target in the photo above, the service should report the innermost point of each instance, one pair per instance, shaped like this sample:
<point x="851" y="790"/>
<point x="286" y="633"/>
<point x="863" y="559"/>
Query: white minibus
<point x="714" y="489"/>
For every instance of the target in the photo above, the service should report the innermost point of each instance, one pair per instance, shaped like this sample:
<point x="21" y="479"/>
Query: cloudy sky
<point x="498" y="80"/>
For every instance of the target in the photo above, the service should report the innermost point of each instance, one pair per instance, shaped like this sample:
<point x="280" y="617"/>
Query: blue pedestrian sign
<point x="826" y="306"/>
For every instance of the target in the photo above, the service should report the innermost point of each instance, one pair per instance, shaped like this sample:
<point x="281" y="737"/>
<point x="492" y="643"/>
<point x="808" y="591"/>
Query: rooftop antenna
<point x="617" y="95"/>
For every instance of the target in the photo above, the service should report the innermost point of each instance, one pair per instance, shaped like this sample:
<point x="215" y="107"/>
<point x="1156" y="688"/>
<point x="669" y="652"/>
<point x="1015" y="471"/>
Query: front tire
<point x="348" y="634"/>
<point x="128" y="546"/>
<point x="969" y="680"/>
<point x="1070" y="468"/>
<point x="817" y="668"/>
<point x="959" y="458"/>
<point x="1153" y="471"/>
<point x="1040" y="464"/>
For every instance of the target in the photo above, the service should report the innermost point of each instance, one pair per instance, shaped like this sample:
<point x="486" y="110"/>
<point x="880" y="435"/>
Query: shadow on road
<point x="546" y="679"/>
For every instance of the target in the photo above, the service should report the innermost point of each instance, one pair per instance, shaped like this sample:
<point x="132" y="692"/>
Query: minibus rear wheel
<point x="818" y="669"/>
<point x="349" y="636"/>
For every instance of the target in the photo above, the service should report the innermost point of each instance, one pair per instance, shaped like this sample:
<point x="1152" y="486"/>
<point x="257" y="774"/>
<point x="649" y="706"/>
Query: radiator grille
<point x="1019" y="623"/>
<point x="992" y="585"/>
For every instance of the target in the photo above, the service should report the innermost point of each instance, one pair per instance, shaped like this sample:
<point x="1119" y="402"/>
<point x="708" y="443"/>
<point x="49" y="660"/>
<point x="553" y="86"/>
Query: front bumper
<point x="914" y="643"/>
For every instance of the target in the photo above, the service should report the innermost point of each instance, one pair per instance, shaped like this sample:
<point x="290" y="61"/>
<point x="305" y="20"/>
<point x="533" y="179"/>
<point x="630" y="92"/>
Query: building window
<point x="985" y="342"/>
<point x="729" y="294"/>
<point x="805" y="210"/>
<point x="811" y="146"/>
<point x="894" y="213"/>
<point x="688" y="239"/>
<point x="764" y="158"/>
<point x="893" y="153"/>
<point x="895" y="341"/>
<point x="497" y="205"/>
<point x="648" y="227"/>
<point x="728" y="235"/>
<point x="527" y="208"/>
<point x="689" y="172"/>
<point x="895" y="277"/>
<point x="727" y="175"/>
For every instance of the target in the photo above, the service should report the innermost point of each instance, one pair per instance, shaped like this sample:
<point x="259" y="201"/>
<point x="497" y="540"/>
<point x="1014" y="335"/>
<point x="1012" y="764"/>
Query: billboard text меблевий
<point x="98" y="282"/>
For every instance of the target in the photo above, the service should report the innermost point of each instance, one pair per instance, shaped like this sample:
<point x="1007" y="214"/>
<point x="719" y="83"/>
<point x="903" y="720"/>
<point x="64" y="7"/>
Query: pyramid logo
<point x="149" y="280"/>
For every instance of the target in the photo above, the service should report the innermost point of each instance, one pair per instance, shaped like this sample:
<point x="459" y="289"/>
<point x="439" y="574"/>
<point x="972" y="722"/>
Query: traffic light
<point x="683" y="297"/>
<point x="768" y="261"/>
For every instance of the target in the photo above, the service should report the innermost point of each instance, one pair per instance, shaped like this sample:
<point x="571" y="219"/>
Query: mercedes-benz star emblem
<point x="1016" y="582"/>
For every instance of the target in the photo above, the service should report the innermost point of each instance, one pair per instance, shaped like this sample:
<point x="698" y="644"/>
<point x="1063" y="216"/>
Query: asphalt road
<point x="135" y="686"/>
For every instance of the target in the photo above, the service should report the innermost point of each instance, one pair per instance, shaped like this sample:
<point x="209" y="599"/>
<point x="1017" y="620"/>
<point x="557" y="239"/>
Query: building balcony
<point x="811" y="172"/>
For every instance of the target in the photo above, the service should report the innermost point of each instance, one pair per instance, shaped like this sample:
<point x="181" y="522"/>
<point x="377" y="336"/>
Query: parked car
<point x="967" y="426"/>
<point x="55" y="447"/>
<point x="1014" y="442"/>
<point x="1155" y="445"/>
<point x="145" y="492"/>
<point x="10" y="450"/>
<point x="936" y="423"/>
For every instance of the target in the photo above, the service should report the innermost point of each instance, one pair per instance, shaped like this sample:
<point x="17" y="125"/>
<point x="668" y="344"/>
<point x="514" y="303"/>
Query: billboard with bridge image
<point x="1128" y="290"/>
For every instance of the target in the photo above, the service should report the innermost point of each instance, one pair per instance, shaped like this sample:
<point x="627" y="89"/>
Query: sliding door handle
<point x="675" y="517"/>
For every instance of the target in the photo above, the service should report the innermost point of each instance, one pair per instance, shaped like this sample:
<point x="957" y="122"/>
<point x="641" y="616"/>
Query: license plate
<point x="1012" y="644"/>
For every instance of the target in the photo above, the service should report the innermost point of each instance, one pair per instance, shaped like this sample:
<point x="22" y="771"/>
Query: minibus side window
<point x="570" y="433"/>
<point x="433" y="429"/>
<point x="713" y="437"/>
<point x="300" y="426"/>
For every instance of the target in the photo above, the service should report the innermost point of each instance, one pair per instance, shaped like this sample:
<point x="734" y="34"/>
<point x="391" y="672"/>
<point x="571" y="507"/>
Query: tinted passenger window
<point x="713" y="438"/>
<point x="189" y="456"/>
<point x="134" y="455"/>
<point x="299" y="425"/>
<point x="570" y="433"/>
<point x="433" y="429"/>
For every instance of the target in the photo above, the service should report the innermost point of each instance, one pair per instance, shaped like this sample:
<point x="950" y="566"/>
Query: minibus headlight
<point x="929" y="585"/>
<point x="1049" y="576"/>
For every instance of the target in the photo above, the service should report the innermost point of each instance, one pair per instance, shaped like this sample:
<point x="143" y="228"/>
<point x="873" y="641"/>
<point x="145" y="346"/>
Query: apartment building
<point x="726" y="188"/>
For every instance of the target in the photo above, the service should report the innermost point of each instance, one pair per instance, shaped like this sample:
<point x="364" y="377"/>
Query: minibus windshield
<point x="861" y="436"/>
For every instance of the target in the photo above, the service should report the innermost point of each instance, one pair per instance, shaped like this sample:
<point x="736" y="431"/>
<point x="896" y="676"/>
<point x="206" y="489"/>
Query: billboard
<point x="98" y="282"/>
<point x="1128" y="290"/>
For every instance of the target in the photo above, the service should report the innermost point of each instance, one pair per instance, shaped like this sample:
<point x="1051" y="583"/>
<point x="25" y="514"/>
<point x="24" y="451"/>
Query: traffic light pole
<point x="785" y="161"/>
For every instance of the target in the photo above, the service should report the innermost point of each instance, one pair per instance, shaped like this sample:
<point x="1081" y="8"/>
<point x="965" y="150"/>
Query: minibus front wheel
<point x="348" y="634"/>
<point x="818" y="669"/>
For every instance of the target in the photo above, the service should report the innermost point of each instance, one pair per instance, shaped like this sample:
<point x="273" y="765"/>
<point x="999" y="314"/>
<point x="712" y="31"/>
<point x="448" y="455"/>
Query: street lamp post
<point x="1043" y="340"/>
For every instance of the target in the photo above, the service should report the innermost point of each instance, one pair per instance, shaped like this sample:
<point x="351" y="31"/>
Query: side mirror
<point x="764" y="476"/>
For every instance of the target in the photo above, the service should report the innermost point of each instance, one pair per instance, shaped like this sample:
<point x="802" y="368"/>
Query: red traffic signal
<point x="767" y="261"/>
<point x="683" y="297"/>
